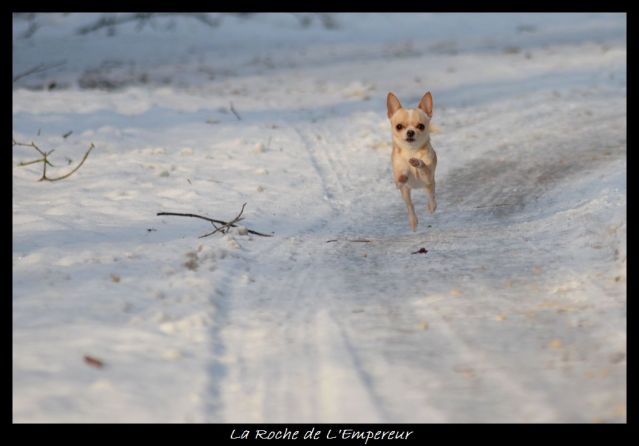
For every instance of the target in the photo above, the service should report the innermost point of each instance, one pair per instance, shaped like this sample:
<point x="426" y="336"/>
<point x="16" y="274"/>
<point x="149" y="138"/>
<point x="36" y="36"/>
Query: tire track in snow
<point x="285" y="357"/>
<point x="531" y="406"/>
<point x="342" y="298"/>
<point x="347" y="372"/>
<point x="323" y="168"/>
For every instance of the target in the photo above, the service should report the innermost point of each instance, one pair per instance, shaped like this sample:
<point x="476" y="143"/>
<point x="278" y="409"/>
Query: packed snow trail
<point x="483" y="327"/>
<point x="516" y="313"/>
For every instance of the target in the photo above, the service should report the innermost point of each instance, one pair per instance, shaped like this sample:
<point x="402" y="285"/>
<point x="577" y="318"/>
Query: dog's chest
<point x="415" y="181"/>
<point x="401" y="165"/>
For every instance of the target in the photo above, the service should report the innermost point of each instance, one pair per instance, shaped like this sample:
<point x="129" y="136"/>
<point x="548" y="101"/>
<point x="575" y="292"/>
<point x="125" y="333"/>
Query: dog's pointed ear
<point x="426" y="104"/>
<point x="392" y="104"/>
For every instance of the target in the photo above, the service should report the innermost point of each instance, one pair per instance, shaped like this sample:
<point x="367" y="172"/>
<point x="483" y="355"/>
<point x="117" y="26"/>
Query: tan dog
<point x="413" y="158"/>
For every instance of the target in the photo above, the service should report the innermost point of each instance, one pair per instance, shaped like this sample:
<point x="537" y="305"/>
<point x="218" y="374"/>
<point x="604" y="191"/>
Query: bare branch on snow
<point x="235" y="112"/>
<point x="225" y="225"/>
<point x="38" y="69"/>
<point x="142" y="18"/>
<point x="45" y="161"/>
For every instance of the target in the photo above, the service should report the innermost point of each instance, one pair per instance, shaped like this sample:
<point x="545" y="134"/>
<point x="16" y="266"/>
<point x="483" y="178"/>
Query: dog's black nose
<point x="410" y="133"/>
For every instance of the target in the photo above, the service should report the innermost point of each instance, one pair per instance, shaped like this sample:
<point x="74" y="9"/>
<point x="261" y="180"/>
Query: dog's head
<point x="410" y="126"/>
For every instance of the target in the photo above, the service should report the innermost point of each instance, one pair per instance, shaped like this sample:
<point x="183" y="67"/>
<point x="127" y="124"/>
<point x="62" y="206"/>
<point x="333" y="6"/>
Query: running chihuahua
<point x="413" y="158"/>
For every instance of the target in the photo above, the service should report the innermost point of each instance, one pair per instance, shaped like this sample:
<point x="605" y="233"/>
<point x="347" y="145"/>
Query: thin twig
<point x="226" y="226"/>
<point x="33" y="27"/>
<point x="76" y="167"/>
<point x="112" y="21"/>
<point x="38" y="69"/>
<point x="45" y="161"/>
<point x="212" y="221"/>
<point x="495" y="205"/>
<point x="235" y="112"/>
<point x="357" y="240"/>
<point x="27" y="163"/>
<point x="16" y="143"/>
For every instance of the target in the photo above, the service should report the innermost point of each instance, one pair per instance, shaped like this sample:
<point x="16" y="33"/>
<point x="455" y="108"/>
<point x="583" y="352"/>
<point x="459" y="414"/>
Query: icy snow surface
<point x="517" y="312"/>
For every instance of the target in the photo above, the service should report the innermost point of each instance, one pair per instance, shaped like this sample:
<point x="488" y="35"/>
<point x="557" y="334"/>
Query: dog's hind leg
<point x="428" y="177"/>
<point x="412" y="218"/>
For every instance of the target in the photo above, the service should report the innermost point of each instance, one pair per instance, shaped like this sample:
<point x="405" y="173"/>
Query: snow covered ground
<point x="517" y="313"/>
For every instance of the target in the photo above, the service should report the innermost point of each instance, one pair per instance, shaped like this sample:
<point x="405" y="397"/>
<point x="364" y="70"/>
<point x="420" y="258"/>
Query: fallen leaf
<point x="555" y="343"/>
<point x="93" y="362"/>
<point x="192" y="264"/>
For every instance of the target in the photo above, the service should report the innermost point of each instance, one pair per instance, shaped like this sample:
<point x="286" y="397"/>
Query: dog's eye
<point x="421" y="126"/>
<point x="399" y="126"/>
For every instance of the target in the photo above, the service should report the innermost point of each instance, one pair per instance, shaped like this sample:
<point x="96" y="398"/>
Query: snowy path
<point x="515" y="314"/>
<point x="370" y="333"/>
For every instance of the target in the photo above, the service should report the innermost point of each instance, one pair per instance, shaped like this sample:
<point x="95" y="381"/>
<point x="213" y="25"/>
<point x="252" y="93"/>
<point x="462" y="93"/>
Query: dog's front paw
<point x="401" y="180"/>
<point x="416" y="162"/>
<point x="432" y="206"/>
